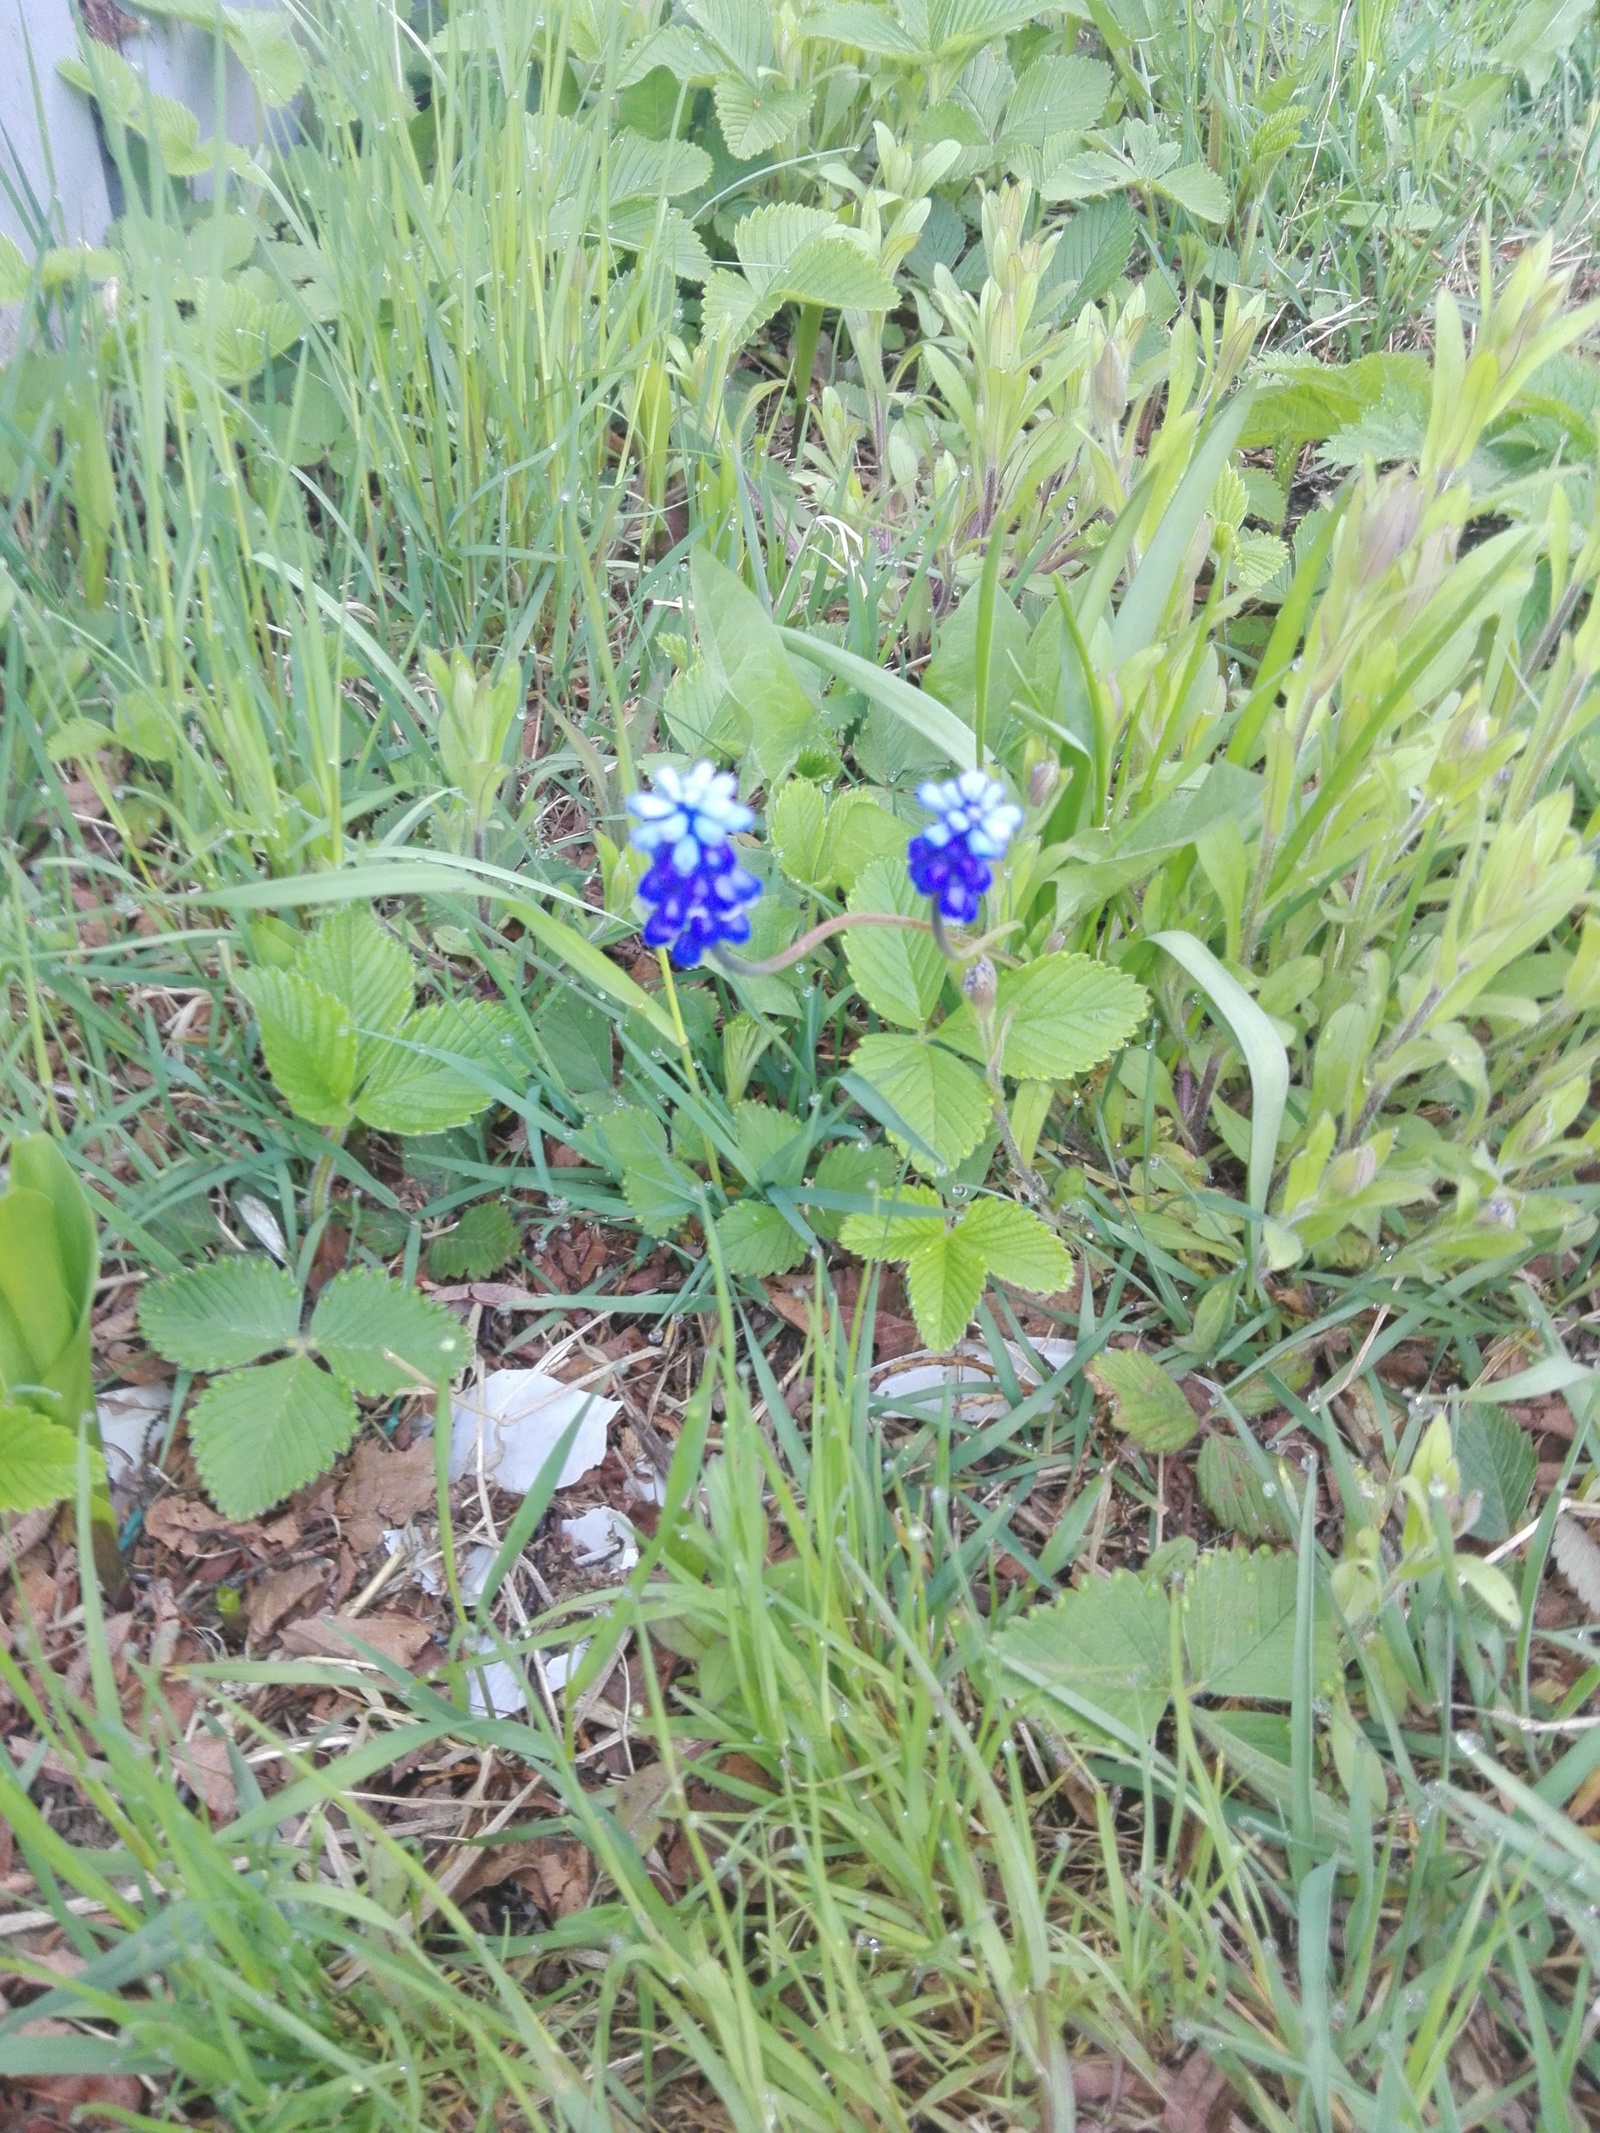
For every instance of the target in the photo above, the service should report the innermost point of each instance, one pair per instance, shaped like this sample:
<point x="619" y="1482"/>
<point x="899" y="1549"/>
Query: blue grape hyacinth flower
<point x="952" y="860"/>
<point x="694" y="890"/>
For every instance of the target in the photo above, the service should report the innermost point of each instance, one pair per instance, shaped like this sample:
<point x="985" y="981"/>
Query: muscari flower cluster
<point x="952" y="860"/>
<point x="695" y="891"/>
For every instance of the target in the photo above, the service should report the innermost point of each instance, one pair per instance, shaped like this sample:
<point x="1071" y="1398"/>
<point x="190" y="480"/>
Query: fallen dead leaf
<point x="636" y="1801"/>
<point x="206" y="1768"/>
<point x="495" y="1863"/>
<point x="1197" y="2098"/>
<point x="558" y="1876"/>
<point x="384" y="1488"/>
<point x="186" y="1523"/>
<point x="396" y="1637"/>
<point x="279" y="1594"/>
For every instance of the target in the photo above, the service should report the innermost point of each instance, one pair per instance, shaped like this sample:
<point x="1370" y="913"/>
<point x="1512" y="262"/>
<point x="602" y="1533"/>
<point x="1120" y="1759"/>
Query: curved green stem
<point x="954" y="951"/>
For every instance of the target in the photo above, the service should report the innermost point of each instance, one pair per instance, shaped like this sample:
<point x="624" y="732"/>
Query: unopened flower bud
<point x="1390" y="527"/>
<point x="1043" y="779"/>
<point x="1108" y="384"/>
<point x="978" y="983"/>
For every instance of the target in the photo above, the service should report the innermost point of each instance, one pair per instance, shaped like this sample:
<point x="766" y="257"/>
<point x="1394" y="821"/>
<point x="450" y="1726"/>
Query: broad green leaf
<point x="772" y="1145"/>
<point x="893" y="1233"/>
<point x="1145" y="602"/>
<point x="795" y="824"/>
<point x="308" y="1041"/>
<point x="743" y="645"/>
<point x="754" y="120"/>
<point x="851" y="1167"/>
<point x="836" y="273"/>
<point x="1109" y="1643"/>
<point x="1146" y="1404"/>
<point x="1239" y="1623"/>
<point x="899" y="973"/>
<point x="1232" y="1492"/>
<point x="924" y="714"/>
<point x="1263" y="1050"/>
<point x="264" y="46"/>
<point x="952" y="672"/>
<point x="38" y="1459"/>
<point x="944" y="1279"/>
<point x="15" y="274"/>
<point x="944" y="1101"/>
<point x="415" y="1086"/>
<point x="41" y="1310"/>
<point x="861" y="25"/>
<point x="258" y="1435"/>
<point x="1498" y="1461"/>
<point x="658" y="1189"/>
<point x="382" y="1337"/>
<point x="756" y="1240"/>
<point x="38" y="1165"/>
<point x="1060" y="1017"/>
<point x="217" y="1317"/>
<point x="1197" y="189"/>
<point x="1018" y="1247"/>
<point x="1055" y="95"/>
<point x="481" y="1243"/>
<point x="366" y="970"/>
<point x="861" y="827"/>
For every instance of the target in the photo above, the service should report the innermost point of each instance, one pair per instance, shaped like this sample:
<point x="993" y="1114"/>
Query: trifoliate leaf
<point x="944" y="1279"/>
<point x="756" y="1240"/>
<point x="416" y="1085"/>
<point x="849" y="1167"/>
<point x="1061" y="1016"/>
<point x="308" y="1041"/>
<point x="898" y="972"/>
<point x="38" y="1459"/>
<point x="1232" y="1491"/>
<point x="257" y="1435"/>
<point x="217" y="1317"/>
<point x="1145" y="1403"/>
<point x="382" y="1337"/>
<point x="943" y="1101"/>
<point x="1017" y="1246"/>
<point x="481" y="1243"/>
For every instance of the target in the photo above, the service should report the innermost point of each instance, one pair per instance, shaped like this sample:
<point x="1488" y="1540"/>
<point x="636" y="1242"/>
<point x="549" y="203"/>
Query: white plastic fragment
<point x="916" y="1382"/>
<point x="499" y="1690"/>
<point x="515" y="1418"/>
<point x="127" y="1416"/>
<point x="602" y="1539"/>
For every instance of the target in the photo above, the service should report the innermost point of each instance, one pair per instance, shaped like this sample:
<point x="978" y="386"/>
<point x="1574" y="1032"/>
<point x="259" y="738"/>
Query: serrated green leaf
<point x="850" y="1167"/>
<point x="308" y="1041"/>
<point x="944" y="1279"/>
<point x="658" y="1189"/>
<point x="893" y="1233"/>
<point x="756" y="1240"/>
<point x="1060" y="1017"/>
<point x="1108" y="1643"/>
<point x="1055" y="95"/>
<point x="481" y="1242"/>
<point x="836" y="273"/>
<point x="38" y="1459"/>
<point x="382" y="1337"/>
<point x="771" y="1144"/>
<point x="796" y="821"/>
<point x="1018" y="1247"/>
<point x="940" y="1097"/>
<point x="756" y="119"/>
<point x="1232" y="1492"/>
<point x="258" y="1435"/>
<point x="1498" y="1461"/>
<point x="744" y="649"/>
<point x="1197" y="189"/>
<point x="217" y="1317"/>
<point x="415" y="1087"/>
<point x="365" y="969"/>
<point x="1146" y="1405"/>
<point x="861" y="828"/>
<point x="1238" y="1626"/>
<point x="898" y="972"/>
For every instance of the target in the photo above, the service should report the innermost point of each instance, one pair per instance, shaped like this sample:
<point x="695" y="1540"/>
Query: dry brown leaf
<point x="396" y="1637"/>
<point x="280" y="1593"/>
<point x="205" y="1767"/>
<point x="1197" y="2099"/>
<point x="187" y="1523"/>
<point x="384" y="1488"/>
<point x="1578" y="1560"/>
<point x="636" y="1801"/>
<point x="495" y="1863"/>
<point x="558" y="1876"/>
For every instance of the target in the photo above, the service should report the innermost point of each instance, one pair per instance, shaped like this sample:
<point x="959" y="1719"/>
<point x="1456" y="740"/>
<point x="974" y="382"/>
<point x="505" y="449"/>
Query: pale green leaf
<point x="1018" y="1246"/>
<point x="382" y="1337"/>
<point x="1146" y="1404"/>
<point x="743" y="647"/>
<point x="891" y="1233"/>
<point x="862" y="827"/>
<point x="308" y="1041"/>
<point x="217" y="1317"/>
<point x="1059" y="1017"/>
<point x="367" y="970"/>
<point x="258" y="1435"/>
<point x="658" y="1189"/>
<point x="860" y="25"/>
<point x="771" y="1144"/>
<point x="756" y="119"/>
<point x="1263" y="1050"/>
<point x="1232" y="1491"/>
<point x="796" y="821"/>
<point x="944" y="1101"/>
<point x="38" y="1459"/>
<point x="1239" y="1623"/>
<point x="15" y="274"/>
<point x="478" y="1246"/>
<point x="1498" y="1461"/>
<point x="1109" y="1643"/>
<point x="837" y="273"/>
<point x="944" y="1279"/>
<point x="1056" y="95"/>
<point x="668" y="236"/>
<point x="757" y="1240"/>
<point x="416" y="1086"/>
<point x="898" y="972"/>
<point x="1197" y="189"/>
<point x="851" y="1167"/>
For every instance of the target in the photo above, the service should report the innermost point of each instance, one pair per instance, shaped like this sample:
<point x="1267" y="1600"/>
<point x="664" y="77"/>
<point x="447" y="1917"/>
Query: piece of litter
<point x="518" y="1418"/>
<point x="914" y="1384"/>
<point x="263" y="1225"/>
<point x="496" y="1691"/>
<point x="127" y="1415"/>
<point x="560" y="1667"/>
<point x="647" y="1485"/>
<point x="602" y="1538"/>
